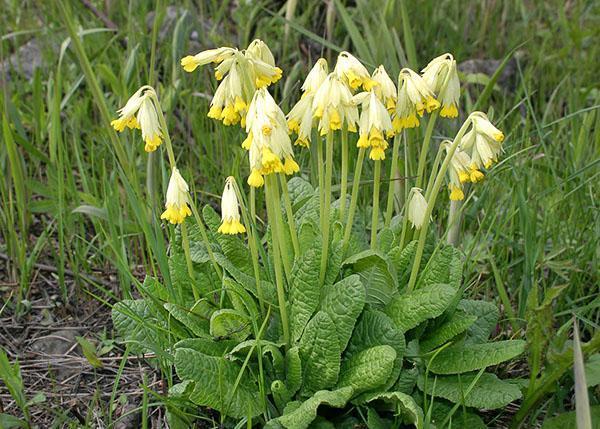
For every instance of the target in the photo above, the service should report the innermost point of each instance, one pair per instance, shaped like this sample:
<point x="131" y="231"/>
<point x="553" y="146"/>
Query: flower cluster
<point x="268" y="143"/>
<point x="241" y="73"/>
<point x="140" y="112"/>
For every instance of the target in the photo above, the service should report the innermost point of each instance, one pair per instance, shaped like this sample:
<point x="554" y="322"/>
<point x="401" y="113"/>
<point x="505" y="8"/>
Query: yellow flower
<point x="385" y="88"/>
<point x="143" y="103"/>
<point x="177" y="208"/>
<point x="263" y="64"/>
<point x="229" y="104"/>
<point x="442" y="77"/>
<point x="417" y="208"/>
<point x="316" y="76"/>
<point x="270" y="148"/>
<point x="414" y="98"/>
<point x="333" y="106"/>
<point x="148" y="121"/>
<point x="191" y="62"/>
<point x="353" y="73"/>
<point x="374" y="122"/>
<point x="483" y="141"/>
<point x="127" y="113"/>
<point x="230" y="214"/>
<point x="461" y="170"/>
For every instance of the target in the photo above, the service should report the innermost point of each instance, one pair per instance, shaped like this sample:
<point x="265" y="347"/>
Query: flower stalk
<point x="375" y="214"/>
<point x="326" y="204"/>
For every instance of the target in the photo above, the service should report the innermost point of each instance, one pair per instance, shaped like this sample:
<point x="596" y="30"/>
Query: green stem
<point x="425" y="149"/>
<point x="271" y="209"/>
<point x="375" y="215"/>
<point x="204" y="235"/>
<point x="436" y="164"/>
<point x="344" y="179"/>
<point x="389" y="210"/>
<point x="431" y="203"/>
<point x="185" y="243"/>
<point x="354" y="198"/>
<point x="253" y="204"/>
<point x="403" y="236"/>
<point x="283" y="244"/>
<point x="326" y="206"/>
<point x="320" y="170"/>
<point x="290" y="214"/>
<point x="454" y="216"/>
<point x="250" y="228"/>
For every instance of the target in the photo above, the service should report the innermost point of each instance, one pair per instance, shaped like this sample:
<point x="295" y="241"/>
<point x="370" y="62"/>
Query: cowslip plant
<point x="310" y="321"/>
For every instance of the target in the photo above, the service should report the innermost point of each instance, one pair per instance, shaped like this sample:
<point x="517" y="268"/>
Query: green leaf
<point x="374" y="328"/>
<point x="410" y="309"/>
<point x="385" y="240"/>
<point x="367" y="369"/>
<point x="302" y="416"/>
<point x="215" y="384"/>
<point x="140" y="324"/>
<point x="460" y="419"/>
<point x="89" y="351"/>
<point x="488" y="393"/>
<point x="487" y="319"/>
<point x="300" y="191"/>
<point x="232" y="246"/>
<point x="207" y="346"/>
<point x="343" y="302"/>
<point x="568" y="420"/>
<point x="458" y="323"/>
<point x="469" y="357"/>
<point x="293" y="370"/>
<point x="334" y="263"/>
<point x="376" y="273"/>
<point x="307" y="236"/>
<point x="247" y="281"/>
<point x="401" y="404"/>
<point x="592" y="370"/>
<point x="320" y="353"/>
<point x="227" y="323"/>
<point x="445" y="266"/>
<point x="304" y="289"/>
<point x="402" y="259"/>
<point x="196" y="323"/>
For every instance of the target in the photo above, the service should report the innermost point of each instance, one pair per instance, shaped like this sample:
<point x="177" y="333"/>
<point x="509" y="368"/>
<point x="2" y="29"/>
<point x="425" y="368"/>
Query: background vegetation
<point x="69" y="209"/>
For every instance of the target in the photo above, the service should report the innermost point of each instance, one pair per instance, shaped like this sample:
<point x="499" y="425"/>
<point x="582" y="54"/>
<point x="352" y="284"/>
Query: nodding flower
<point x="375" y="125"/>
<point x="460" y="171"/>
<point x="483" y="141"/>
<point x="144" y="104"/>
<point x="414" y="99"/>
<point x="301" y="118"/>
<point x="230" y="213"/>
<point x="442" y="77"/>
<point x="385" y="88"/>
<point x="417" y="208"/>
<point x="352" y="72"/>
<point x="333" y="105"/>
<point x="268" y="142"/>
<point x="240" y="73"/>
<point x="176" y="205"/>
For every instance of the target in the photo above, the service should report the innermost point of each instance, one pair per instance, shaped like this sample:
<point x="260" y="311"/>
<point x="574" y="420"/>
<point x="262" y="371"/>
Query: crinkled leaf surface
<point x="469" y="357"/>
<point x="207" y="346"/>
<point x="488" y="393"/>
<point x="409" y="309"/>
<point x="301" y="416"/>
<point x="227" y="323"/>
<point x="401" y="404"/>
<point x="402" y="259"/>
<point x="343" y="302"/>
<point x="445" y="266"/>
<point x="214" y="383"/>
<point x="293" y="370"/>
<point x="367" y="369"/>
<point x="320" y="354"/>
<point x="487" y="318"/>
<point x="377" y="274"/>
<point x="197" y="324"/>
<point x="374" y="328"/>
<point x="140" y="324"/>
<point x="458" y="323"/>
<point x="305" y="290"/>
